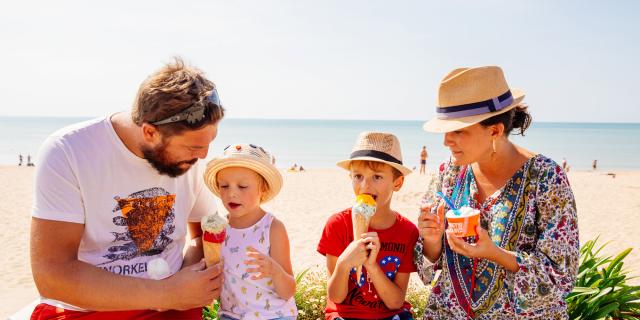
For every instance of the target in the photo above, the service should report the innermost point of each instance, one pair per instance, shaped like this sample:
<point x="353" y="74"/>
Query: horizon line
<point x="318" y="119"/>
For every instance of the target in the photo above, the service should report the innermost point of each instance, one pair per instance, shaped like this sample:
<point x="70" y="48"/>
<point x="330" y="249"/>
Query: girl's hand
<point x="355" y="254"/>
<point x="430" y="226"/>
<point x="372" y="243"/>
<point x="483" y="249"/>
<point x="265" y="266"/>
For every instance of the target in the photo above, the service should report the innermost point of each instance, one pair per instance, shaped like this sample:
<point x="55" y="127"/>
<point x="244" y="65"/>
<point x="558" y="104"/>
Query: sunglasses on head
<point x="194" y="116"/>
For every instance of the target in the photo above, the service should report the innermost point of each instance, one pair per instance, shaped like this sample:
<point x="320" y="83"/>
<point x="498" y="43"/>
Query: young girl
<point x="258" y="280"/>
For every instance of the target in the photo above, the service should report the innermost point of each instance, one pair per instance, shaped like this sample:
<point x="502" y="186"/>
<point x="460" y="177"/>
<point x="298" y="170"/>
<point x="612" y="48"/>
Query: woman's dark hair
<point x="516" y="118"/>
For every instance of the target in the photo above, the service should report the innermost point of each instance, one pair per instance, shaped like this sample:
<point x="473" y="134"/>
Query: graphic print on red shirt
<point x="396" y="255"/>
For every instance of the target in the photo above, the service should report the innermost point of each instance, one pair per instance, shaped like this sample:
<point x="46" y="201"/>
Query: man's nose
<point x="201" y="153"/>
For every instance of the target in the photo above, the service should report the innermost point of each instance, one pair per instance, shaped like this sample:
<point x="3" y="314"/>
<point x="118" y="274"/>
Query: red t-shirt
<point x="396" y="255"/>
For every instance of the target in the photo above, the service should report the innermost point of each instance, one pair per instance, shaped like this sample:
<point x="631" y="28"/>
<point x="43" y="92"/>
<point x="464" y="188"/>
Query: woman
<point x="525" y="258"/>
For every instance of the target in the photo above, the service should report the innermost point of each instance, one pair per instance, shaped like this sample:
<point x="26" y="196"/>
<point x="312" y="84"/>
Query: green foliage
<point x="311" y="293"/>
<point x="601" y="291"/>
<point x="211" y="312"/>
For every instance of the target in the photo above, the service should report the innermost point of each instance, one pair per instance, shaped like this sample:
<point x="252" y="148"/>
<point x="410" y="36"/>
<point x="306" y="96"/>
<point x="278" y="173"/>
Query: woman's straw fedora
<point x="470" y="95"/>
<point x="377" y="146"/>
<point x="246" y="156"/>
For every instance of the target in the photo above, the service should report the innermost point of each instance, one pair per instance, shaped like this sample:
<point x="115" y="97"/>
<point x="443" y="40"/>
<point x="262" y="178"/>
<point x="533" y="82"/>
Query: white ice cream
<point x="464" y="212"/>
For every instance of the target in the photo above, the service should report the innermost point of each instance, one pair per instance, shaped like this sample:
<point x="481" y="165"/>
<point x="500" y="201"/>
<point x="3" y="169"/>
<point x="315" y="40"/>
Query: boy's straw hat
<point x="377" y="146"/>
<point x="246" y="156"/>
<point x="470" y="95"/>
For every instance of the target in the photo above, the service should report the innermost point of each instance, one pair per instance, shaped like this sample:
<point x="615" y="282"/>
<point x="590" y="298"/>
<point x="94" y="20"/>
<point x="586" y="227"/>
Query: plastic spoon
<point x="449" y="203"/>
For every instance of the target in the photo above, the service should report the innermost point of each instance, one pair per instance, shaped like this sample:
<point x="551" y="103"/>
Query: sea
<point x="321" y="143"/>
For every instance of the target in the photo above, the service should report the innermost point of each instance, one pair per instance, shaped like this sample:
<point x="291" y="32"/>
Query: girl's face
<point x="470" y="144"/>
<point x="240" y="191"/>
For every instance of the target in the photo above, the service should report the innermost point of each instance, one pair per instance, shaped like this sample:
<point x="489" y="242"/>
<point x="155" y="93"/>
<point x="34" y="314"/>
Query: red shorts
<point x="45" y="312"/>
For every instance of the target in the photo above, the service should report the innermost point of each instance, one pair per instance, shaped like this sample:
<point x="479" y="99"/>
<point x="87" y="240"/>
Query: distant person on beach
<point x="384" y="254"/>
<point x="594" y="165"/>
<point x="29" y="163"/>
<point x="19" y="160"/>
<point x="564" y="163"/>
<point x="294" y="167"/>
<point x="423" y="159"/>
<point x="244" y="179"/>
<point x="301" y="168"/>
<point x="524" y="260"/>
<point x="116" y="199"/>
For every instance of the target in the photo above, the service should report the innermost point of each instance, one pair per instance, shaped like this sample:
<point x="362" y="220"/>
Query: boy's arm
<point x="59" y="275"/>
<point x="392" y="293"/>
<point x="338" y="284"/>
<point x="282" y="277"/>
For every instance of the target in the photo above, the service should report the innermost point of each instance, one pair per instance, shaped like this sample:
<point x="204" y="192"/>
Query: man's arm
<point x="194" y="252"/>
<point x="59" y="275"/>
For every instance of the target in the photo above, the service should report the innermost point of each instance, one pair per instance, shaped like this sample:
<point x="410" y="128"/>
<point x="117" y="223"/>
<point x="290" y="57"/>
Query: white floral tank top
<point x="243" y="297"/>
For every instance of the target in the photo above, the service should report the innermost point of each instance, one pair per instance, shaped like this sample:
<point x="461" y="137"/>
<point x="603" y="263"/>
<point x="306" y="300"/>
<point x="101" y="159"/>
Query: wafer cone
<point x="360" y="226"/>
<point x="212" y="252"/>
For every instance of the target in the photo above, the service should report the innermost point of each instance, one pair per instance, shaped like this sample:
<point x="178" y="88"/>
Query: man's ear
<point x="397" y="184"/>
<point x="150" y="133"/>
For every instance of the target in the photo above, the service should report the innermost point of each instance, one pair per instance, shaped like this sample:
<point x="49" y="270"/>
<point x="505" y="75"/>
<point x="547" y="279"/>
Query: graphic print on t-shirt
<point x="148" y="216"/>
<point x="366" y="294"/>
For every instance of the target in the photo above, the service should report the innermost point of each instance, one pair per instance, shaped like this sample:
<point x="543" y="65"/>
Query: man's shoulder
<point x="80" y="130"/>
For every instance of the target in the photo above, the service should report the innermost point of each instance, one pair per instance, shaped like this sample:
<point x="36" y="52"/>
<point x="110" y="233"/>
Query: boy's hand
<point x="266" y="267"/>
<point x="373" y="245"/>
<point x="431" y="226"/>
<point x="354" y="255"/>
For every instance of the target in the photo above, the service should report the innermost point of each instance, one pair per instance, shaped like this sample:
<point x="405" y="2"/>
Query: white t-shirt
<point x="130" y="212"/>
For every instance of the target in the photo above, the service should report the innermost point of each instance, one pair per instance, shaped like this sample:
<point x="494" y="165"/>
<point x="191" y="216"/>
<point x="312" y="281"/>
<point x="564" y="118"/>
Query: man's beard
<point x="157" y="157"/>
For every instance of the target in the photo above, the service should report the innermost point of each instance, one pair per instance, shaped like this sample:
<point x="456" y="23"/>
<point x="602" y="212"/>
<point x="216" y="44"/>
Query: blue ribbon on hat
<point x="466" y="110"/>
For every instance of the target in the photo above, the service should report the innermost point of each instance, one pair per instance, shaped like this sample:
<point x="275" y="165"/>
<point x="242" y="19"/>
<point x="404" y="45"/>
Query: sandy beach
<point x="606" y="206"/>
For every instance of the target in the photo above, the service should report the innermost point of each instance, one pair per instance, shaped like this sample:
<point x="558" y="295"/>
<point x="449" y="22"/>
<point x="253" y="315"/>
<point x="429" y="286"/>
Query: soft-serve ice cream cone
<point x="361" y="214"/>
<point x="213" y="228"/>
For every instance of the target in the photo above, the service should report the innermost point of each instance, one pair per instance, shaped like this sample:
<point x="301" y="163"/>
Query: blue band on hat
<point x="375" y="154"/>
<point x="476" y="108"/>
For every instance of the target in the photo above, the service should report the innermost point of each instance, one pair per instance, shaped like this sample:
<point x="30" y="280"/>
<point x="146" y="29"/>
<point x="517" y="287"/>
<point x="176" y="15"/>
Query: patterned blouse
<point x="533" y="215"/>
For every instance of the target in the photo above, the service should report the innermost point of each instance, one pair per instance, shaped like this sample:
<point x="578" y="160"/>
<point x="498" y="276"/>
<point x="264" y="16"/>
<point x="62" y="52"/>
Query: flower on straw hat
<point x="247" y="156"/>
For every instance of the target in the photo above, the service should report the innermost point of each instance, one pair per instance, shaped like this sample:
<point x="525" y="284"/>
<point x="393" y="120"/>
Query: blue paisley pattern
<point x="533" y="215"/>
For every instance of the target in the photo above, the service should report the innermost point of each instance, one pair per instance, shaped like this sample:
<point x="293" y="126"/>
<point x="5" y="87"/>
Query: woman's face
<point x="470" y="144"/>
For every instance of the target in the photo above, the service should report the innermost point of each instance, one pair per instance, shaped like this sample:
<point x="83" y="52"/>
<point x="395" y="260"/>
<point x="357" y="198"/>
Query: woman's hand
<point x="430" y="226"/>
<point x="484" y="248"/>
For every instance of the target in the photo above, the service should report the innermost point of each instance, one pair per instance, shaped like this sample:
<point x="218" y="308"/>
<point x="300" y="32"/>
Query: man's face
<point x="175" y="155"/>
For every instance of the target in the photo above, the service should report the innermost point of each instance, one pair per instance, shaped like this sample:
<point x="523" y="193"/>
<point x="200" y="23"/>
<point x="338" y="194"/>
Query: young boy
<point x="385" y="252"/>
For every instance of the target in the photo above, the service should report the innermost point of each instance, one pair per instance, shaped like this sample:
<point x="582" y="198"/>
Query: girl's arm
<point x="283" y="279"/>
<point x="276" y="265"/>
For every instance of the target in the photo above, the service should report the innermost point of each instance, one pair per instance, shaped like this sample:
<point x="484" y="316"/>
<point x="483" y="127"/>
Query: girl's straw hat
<point x="379" y="147"/>
<point x="470" y="95"/>
<point x="246" y="156"/>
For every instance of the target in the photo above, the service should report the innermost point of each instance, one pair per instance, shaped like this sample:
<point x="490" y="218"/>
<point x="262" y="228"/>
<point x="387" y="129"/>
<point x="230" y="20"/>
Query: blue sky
<point x="576" y="60"/>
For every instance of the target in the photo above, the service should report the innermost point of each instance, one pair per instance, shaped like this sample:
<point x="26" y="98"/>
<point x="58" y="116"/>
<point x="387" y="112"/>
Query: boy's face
<point x="378" y="183"/>
<point x="240" y="190"/>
